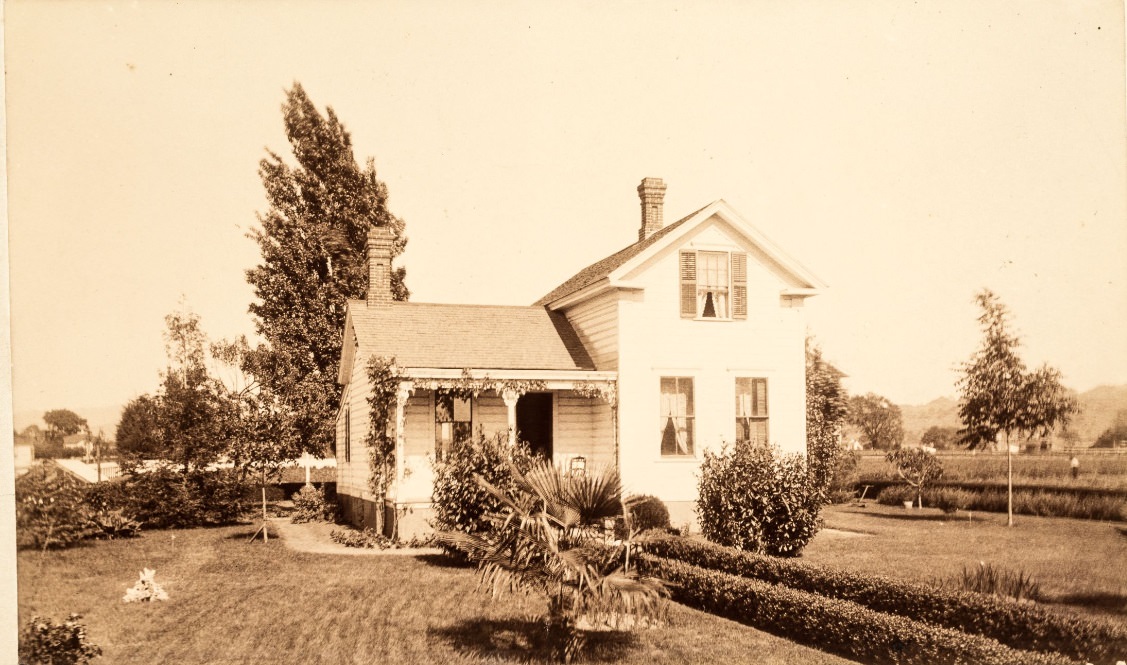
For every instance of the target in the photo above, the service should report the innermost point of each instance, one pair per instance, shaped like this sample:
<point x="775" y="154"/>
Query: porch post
<point x="401" y="396"/>
<point x="511" y="396"/>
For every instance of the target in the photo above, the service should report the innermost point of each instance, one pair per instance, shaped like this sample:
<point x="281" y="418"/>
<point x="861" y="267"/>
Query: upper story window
<point x="676" y="415"/>
<point x="713" y="285"/>
<point x="453" y="423"/>
<point x="751" y="410"/>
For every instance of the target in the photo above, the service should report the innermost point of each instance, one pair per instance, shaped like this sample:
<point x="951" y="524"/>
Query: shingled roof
<point x="468" y="336"/>
<point x="600" y="269"/>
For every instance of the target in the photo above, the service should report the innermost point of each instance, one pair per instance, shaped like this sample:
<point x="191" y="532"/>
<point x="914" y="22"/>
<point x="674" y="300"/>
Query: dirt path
<point x="314" y="537"/>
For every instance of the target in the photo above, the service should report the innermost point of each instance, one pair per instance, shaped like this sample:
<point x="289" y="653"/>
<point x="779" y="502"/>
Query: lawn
<point x="234" y="602"/>
<point x="1079" y="564"/>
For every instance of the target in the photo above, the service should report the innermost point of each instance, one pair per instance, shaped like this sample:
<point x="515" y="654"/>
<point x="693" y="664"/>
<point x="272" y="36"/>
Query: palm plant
<point x="549" y="538"/>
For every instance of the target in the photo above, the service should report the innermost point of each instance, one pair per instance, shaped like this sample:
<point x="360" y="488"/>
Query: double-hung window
<point x="713" y="285"/>
<point x="751" y="410"/>
<point x="676" y="416"/>
<point x="453" y="423"/>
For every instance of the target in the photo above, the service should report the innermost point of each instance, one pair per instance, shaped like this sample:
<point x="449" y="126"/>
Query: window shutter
<point x="688" y="285"/>
<point x="739" y="285"/>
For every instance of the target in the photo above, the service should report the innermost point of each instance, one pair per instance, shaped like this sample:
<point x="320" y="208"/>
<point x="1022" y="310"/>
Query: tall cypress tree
<point x="313" y="240"/>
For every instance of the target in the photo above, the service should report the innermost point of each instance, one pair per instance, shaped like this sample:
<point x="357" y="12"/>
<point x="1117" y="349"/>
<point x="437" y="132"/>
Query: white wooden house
<point x="690" y="337"/>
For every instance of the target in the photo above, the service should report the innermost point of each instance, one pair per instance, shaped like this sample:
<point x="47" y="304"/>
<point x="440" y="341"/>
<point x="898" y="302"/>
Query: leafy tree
<point x="63" y="422"/>
<point x="998" y="395"/>
<point x="878" y="419"/>
<point x="917" y="467"/>
<point x="313" y="240"/>
<point x="940" y="438"/>
<point x="189" y="407"/>
<point x="1116" y="435"/>
<point x="138" y="432"/>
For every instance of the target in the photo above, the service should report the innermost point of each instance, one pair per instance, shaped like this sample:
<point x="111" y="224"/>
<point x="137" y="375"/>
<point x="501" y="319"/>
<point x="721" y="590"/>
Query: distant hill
<point x="103" y="418"/>
<point x="1098" y="408"/>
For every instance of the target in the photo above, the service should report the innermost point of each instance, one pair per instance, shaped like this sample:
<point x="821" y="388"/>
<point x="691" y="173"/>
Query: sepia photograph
<point x="539" y="332"/>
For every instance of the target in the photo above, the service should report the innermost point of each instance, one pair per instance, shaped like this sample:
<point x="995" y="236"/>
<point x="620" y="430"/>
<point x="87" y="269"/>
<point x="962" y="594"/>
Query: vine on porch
<point x="604" y="390"/>
<point x="384" y="377"/>
<point x="467" y="385"/>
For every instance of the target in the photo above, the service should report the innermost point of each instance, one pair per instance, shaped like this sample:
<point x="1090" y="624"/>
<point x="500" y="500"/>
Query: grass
<point x="1076" y="563"/>
<point x="1098" y="471"/>
<point x="234" y="602"/>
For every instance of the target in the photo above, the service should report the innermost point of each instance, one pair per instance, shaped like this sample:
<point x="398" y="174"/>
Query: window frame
<point x="348" y="433"/>
<point x="690" y="270"/>
<point x="442" y="447"/>
<point x="666" y="420"/>
<point x="765" y="417"/>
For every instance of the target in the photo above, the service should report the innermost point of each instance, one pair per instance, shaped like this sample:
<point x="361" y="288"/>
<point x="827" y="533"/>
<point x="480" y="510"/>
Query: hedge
<point x="837" y="626"/>
<point x="1026" y="502"/>
<point x="1019" y="625"/>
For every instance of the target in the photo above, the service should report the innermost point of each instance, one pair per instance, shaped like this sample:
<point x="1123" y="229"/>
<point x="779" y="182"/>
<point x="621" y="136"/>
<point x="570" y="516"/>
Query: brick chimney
<point x="379" y="266"/>
<point x="652" y="193"/>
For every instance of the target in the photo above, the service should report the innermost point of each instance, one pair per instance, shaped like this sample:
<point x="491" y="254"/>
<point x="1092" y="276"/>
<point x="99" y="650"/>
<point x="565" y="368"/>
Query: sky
<point x="909" y="154"/>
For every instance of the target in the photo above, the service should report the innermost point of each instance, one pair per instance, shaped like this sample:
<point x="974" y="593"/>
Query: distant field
<point x="1096" y="470"/>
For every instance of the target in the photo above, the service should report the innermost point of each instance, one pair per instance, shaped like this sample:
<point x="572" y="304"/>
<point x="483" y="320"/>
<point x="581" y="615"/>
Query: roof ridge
<point x="601" y="268"/>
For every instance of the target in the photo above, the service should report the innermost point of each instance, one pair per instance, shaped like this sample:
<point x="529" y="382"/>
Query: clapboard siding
<point x="583" y="428"/>
<point x="596" y="322"/>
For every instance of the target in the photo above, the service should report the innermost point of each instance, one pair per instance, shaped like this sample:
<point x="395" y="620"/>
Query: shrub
<point x="949" y="499"/>
<point x="755" y="499"/>
<point x="460" y="504"/>
<point x="369" y="539"/>
<point x="1019" y="625"/>
<point x="165" y="498"/>
<point x="1042" y="503"/>
<point x="1000" y="582"/>
<point x="830" y="624"/>
<point x="115" y="524"/>
<point x="647" y="512"/>
<point x="44" y="642"/>
<point x="310" y="505"/>
<point x="50" y="510"/>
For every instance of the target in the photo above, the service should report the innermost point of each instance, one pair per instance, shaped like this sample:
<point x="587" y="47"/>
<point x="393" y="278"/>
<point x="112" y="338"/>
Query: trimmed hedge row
<point x="1019" y="625"/>
<point x="1026" y="502"/>
<point x="837" y="626"/>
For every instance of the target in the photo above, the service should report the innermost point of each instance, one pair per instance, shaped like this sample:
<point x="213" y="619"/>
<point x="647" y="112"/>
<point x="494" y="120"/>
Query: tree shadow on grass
<point x="444" y="561"/>
<point x="1112" y="603"/>
<point x="920" y="516"/>
<point x="524" y="640"/>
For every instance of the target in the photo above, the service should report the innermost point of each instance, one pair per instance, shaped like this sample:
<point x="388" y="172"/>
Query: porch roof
<point x="469" y="336"/>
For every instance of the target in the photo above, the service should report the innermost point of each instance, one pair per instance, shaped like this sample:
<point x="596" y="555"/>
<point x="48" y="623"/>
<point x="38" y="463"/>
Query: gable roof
<point x="634" y="253"/>
<point x="468" y="336"/>
<point x="605" y="267"/>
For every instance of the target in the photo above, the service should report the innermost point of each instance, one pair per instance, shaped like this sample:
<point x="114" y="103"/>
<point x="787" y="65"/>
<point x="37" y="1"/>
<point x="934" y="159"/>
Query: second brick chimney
<point x="652" y="193"/>
<point x="379" y="266"/>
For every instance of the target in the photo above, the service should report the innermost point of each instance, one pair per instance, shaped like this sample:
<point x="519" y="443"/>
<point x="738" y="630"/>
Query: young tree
<point x="878" y="419"/>
<point x="313" y="240"/>
<point x="998" y="396"/>
<point x="63" y="422"/>
<point x="252" y="424"/>
<point x="917" y="467"/>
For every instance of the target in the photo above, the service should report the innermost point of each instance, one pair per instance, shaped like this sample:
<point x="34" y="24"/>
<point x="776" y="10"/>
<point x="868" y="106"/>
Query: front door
<point x="534" y="422"/>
